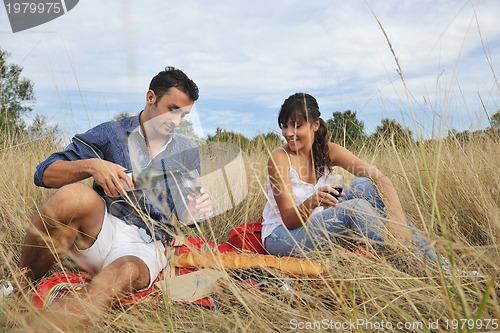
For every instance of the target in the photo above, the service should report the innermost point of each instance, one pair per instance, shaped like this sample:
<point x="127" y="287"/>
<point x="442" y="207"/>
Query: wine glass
<point x="337" y="182"/>
<point x="191" y="182"/>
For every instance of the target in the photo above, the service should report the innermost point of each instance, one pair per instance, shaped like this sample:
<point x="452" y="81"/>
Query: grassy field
<point x="449" y="189"/>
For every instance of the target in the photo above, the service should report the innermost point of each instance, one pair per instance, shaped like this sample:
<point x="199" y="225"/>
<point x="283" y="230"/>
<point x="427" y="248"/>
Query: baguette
<point x="231" y="260"/>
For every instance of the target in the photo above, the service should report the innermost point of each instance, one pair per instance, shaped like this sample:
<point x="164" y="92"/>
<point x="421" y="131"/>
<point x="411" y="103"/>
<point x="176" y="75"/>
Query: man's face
<point x="165" y="115"/>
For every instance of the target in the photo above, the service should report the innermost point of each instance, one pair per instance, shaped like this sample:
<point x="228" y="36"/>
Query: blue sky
<point x="248" y="56"/>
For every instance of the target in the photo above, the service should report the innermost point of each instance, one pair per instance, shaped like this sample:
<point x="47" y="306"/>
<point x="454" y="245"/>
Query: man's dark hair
<point x="173" y="77"/>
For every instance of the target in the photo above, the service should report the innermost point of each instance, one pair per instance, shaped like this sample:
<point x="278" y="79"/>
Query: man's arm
<point x="106" y="174"/>
<point x="61" y="172"/>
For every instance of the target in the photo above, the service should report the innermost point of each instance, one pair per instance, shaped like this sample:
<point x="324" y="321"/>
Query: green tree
<point x="41" y="129"/>
<point x="269" y="140"/>
<point x="452" y="133"/>
<point x="16" y="96"/>
<point x="390" y="130"/>
<point x="221" y="135"/>
<point x="186" y="128"/>
<point x="345" y="128"/>
<point x="121" y="115"/>
<point x="495" y="121"/>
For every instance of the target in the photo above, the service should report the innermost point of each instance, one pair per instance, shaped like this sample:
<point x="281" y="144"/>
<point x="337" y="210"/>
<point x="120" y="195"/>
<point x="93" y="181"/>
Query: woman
<point x="301" y="214"/>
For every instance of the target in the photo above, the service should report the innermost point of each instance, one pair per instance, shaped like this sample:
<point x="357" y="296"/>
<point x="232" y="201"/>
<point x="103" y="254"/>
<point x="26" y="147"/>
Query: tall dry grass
<point x="448" y="188"/>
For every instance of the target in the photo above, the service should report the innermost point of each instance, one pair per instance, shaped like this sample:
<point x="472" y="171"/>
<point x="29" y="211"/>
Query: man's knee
<point x="130" y="272"/>
<point x="76" y="195"/>
<point x="71" y="201"/>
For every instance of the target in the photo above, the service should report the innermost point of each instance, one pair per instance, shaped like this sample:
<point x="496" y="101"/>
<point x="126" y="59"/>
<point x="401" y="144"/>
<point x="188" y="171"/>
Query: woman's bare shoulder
<point x="279" y="157"/>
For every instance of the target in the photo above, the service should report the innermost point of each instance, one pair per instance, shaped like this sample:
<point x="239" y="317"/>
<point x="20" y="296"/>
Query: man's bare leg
<point x="73" y="215"/>
<point x="123" y="275"/>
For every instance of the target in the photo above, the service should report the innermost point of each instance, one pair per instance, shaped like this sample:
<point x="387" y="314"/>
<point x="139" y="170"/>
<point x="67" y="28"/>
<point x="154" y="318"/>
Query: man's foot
<point x="18" y="284"/>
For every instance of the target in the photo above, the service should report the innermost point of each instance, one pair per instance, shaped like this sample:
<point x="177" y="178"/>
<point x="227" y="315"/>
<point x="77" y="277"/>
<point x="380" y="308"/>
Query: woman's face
<point x="298" y="133"/>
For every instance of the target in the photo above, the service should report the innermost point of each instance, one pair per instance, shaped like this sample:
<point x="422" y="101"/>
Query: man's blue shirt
<point x="120" y="142"/>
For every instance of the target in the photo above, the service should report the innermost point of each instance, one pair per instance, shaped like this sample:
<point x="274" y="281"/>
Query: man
<point x="108" y="231"/>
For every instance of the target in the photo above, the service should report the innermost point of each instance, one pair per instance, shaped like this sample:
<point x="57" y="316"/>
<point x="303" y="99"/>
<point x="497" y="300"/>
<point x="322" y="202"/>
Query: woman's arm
<point x="279" y="176"/>
<point x="348" y="161"/>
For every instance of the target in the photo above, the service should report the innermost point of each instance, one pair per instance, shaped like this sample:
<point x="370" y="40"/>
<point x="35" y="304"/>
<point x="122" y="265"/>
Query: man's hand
<point x="110" y="176"/>
<point x="196" y="207"/>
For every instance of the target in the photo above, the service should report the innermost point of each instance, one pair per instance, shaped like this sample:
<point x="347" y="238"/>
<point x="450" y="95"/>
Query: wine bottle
<point x="149" y="177"/>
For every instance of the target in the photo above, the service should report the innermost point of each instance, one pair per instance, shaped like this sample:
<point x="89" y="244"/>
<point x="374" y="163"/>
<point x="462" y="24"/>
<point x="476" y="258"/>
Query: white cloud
<point x="262" y="51"/>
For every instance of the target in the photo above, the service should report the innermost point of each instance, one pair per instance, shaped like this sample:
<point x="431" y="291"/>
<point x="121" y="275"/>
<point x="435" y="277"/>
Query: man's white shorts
<point x="118" y="239"/>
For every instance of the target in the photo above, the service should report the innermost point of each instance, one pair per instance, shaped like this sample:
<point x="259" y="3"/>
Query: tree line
<point x="346" y="129"/>
<point x="17" y="98"/>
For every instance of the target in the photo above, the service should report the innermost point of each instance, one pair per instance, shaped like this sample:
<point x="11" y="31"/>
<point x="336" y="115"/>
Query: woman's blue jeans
<point x="361" y="210"/>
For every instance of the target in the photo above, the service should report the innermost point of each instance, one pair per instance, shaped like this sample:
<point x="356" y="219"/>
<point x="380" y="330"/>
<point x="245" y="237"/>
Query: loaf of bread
<point x="231" y="260"/>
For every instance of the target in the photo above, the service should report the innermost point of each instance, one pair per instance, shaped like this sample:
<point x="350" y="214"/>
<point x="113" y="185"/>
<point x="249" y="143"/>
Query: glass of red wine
<point x="337" y="182"/>
<point x="191" y="182"/>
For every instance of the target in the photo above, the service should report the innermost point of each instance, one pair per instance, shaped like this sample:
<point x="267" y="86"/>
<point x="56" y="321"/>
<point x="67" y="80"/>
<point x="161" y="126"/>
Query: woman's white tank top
<point x="301" y="191"/>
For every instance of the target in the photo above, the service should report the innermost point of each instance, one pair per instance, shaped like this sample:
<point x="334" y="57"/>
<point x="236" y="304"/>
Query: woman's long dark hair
<point x="306" y="106"/>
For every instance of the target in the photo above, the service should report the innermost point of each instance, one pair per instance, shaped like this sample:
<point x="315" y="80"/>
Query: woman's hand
<point x="323" y="197"/>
